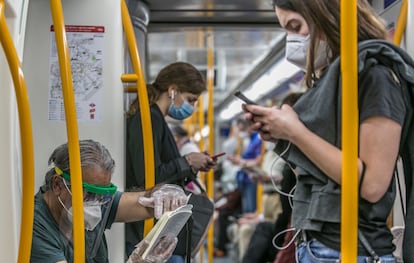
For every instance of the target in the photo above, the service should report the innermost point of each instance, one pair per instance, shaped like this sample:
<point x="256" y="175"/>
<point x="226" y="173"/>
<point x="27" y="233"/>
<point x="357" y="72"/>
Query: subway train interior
<point x="238" y="45"/>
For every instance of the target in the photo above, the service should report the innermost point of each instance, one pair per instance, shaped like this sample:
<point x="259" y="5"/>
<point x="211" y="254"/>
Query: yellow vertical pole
<point x="259" y="194"/>
<point x="26" y="137"/>
<point x="201" y="146"/>
<point x="349" y="193"/>
<point x="201" y="121"/>
<point x="143" y="104"/>
<point x="401" y="23"/>
<point x="72" y="130"/>
<point x="210" y="116"/>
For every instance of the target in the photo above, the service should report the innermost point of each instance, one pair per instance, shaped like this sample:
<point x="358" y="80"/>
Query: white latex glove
<point x="167" y="198"/>
<point x="160" y="254"/>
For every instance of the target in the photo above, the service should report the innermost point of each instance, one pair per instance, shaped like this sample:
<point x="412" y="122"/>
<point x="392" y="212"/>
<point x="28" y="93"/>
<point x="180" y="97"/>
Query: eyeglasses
<point x="92" y="194"/>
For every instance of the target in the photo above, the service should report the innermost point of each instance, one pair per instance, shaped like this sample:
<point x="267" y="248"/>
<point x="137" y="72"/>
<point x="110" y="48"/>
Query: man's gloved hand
<point x="167" y="198"/>
<point x="160" y="254"/>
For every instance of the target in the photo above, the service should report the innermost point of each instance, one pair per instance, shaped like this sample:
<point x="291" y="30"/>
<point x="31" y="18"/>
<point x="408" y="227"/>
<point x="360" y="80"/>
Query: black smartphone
<point x="241" y="96"/>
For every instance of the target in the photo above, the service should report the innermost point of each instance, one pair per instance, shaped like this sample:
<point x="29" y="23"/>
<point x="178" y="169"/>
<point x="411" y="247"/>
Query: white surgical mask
<point x="297" y="51"/>
<point x="92" y="215"/>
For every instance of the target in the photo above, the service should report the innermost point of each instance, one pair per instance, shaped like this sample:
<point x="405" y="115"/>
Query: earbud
<point x="172" y="95"/>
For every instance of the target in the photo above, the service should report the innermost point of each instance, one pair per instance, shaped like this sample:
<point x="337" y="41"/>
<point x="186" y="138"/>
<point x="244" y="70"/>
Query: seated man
<point x="103" y="205"/>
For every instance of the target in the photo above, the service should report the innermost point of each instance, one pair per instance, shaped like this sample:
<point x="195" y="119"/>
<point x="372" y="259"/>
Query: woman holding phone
<point x="174" y="93"/>
<point x="309" y="135"/>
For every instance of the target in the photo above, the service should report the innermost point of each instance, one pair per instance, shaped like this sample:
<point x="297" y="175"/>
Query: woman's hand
<point x="161" y="252"/>
<point x="273" y="123"/>
<point x="200" y="161"/>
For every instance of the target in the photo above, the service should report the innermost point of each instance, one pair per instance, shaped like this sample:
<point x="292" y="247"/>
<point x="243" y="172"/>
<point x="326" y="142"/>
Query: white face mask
<point x="92" y="215"/>
<point x="297" y="51"/>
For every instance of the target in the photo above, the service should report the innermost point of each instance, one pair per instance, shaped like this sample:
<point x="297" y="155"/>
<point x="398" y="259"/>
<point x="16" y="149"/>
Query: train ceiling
<point x="247" y="39"/>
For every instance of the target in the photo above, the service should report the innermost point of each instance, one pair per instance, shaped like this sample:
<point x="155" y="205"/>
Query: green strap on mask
<point x="91" y="188"/>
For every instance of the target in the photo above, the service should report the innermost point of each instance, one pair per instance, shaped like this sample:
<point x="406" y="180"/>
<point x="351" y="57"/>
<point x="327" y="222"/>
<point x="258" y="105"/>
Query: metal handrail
<point x="349" y="184"/>
<point x="259" y="192"/>
<point x="72" y="130"/>
<point x="26" y="137"/>
<point x="401" y="23"/>
<point x="210" y="121"/>
<point x="143" y="104"/>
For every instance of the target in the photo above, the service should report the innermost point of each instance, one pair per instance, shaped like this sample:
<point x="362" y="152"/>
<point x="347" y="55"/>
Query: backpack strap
<point x="189" y="226"/>
<point x="367" y="246"/>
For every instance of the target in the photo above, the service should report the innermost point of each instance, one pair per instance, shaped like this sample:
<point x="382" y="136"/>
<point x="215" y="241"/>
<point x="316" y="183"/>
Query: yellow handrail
<point x="72" y="130"/>
<point x="26" y="137"/>
<point x="200" y="128"/>
<point x="349" y="193"/>
<point x="259" y="194"/>
<point x="210" y="121"/>
<point x="401" y="23"/>
<point x="143" y="104"/>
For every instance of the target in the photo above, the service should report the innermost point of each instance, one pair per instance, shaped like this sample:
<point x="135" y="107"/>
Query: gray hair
<point x="92" y="154"/>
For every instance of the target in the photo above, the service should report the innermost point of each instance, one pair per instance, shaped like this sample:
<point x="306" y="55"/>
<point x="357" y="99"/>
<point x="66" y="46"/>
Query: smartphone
<point x="241" y="96"/>
<point x="217" y="155"/>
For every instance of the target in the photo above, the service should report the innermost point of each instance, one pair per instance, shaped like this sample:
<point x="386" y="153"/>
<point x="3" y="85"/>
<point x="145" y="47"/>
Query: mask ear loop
<point x="67" y="188"/>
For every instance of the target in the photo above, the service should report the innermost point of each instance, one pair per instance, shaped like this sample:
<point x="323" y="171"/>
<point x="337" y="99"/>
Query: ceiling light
<point x="269" y="81"/>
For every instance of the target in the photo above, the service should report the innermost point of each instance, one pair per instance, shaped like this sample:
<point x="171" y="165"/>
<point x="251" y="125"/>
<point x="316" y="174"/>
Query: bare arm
<point x="135" y="206"/>
<point x="130" y="209"/>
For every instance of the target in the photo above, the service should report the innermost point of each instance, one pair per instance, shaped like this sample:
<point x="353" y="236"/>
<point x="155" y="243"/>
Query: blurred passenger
<point x="273" y="174"/>
<point x="174" y="93"/>
<point x="233" y="146"/>
<point x="184" y="143"/>
<point x="228" y="206"/>
<point x="186" y="146"/>
<point x="309" y="135"/>
<point x="250" y="157"/>
<point x="244" y="228"/>
<point x="102" y="205"/>
<point x="261" y="248"/>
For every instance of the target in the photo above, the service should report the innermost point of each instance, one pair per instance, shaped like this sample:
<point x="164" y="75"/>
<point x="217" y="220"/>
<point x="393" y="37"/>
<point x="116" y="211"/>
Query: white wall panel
<point x="10" y="153"/>
<point x="109" y="131"/>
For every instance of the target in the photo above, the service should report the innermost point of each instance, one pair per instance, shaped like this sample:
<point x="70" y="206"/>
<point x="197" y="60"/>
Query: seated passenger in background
<point x="186" y="146"/>
<point x="228" y="204"/>
<point x="271" y="206"/>
<point x="103" y="205"/>
<point x="261" y="248"/>
<point x="184" y="143"/>
<point x="251" y="156"/>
